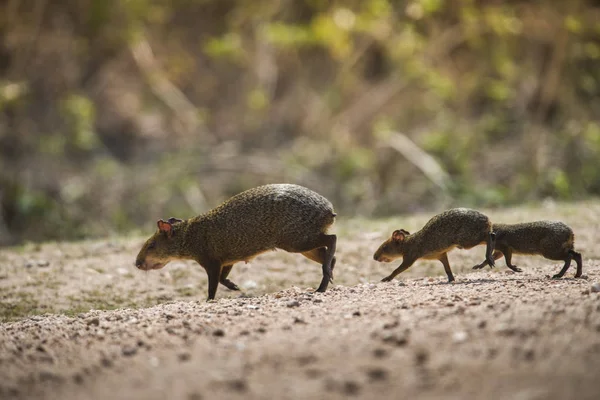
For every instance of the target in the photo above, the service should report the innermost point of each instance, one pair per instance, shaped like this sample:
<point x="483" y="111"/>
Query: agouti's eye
<point x="151" y="245"/>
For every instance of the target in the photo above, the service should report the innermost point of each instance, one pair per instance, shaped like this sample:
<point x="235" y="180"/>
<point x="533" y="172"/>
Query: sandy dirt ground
<point x="80" y="322"/>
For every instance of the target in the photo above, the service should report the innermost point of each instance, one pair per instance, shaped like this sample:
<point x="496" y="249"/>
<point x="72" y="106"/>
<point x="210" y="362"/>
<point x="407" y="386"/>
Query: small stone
<point x="106" y="362"/>
<point x="377" y="374"/>
<point x="239" y="385"/>
<point x="48" y="376"/>
<point x="299" y="320"/>
<point x="351" y="388"/>
<point x="219" y="332"/>
<point x="390" y="325"/>
<point x="397" y="339"/>
<point x="595" y="288"/>
<point x="128" y="351"/>
<point x="421" y="356"/>
<point x="356" y="314"/>
<point x="317" y="300"/>
<point x="93" y="321"/>
<point x="183" y="357"/>
<point x="293" y="303"/>
<point x="78" y="379"/>
<point x="460" y="336"/>
<point x="482" y="324"/>
<point x="154" y="361"/>
<point x="249" y="284"/>
<point x="529" y="354"/>
<point x="380" y="353"/>
<point x="195" y="396"/>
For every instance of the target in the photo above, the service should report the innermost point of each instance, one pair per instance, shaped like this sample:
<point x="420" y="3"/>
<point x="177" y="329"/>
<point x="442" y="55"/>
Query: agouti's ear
<point x="406" y="233"/>
<point x="165" y="227"/>
<point x="399" y="235"/>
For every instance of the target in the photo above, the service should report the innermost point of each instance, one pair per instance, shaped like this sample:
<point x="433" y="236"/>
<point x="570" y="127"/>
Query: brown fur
<point x="551" y="239"/>
<point x="278" y="216"/>
<point x="458" y="227"/>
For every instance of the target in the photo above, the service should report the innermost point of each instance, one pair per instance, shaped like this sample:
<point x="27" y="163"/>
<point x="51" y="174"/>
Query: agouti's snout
<point x="380" y="258"/>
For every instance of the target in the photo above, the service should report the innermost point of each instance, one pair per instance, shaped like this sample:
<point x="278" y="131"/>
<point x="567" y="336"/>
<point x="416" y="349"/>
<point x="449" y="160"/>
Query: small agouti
<point x="458" y="227"/>
<point x="283" y="216"/>
<point x="551" y="239"/>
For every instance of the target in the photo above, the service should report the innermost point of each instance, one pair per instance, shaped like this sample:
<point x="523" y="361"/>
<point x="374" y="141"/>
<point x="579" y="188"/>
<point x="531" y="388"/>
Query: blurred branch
<point x="164" y="89"/>
<point x="420" y="159"/>
<point x="368" y="104"/>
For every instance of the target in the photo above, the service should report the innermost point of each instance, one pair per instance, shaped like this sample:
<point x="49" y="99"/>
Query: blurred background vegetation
<point x="116" y="113"/>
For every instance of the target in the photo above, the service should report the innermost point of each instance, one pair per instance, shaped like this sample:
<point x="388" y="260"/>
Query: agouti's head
<point x="161" y="248"/>
<point x="392" y="248"/>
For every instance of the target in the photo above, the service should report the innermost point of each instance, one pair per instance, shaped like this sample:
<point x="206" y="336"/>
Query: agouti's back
<point x="283" y="216"/>
<point x="552" y="239"/>
<point x="458" y="227"/>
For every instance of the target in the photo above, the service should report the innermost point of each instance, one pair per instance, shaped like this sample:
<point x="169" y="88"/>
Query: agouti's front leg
<point x="403" y="267"/>
<point x="213" y="270"/>
<point x="444" y="260"/>
<point x="226" y="282"/>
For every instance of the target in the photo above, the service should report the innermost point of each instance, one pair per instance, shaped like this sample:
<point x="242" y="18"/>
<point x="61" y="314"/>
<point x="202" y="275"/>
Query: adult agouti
<point x="277" y="216"/>
<point x="458" y="227"/>
<point x="551" y="239"/>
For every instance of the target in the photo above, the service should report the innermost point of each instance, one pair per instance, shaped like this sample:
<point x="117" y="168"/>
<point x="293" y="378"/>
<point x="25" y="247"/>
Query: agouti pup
<point x="458" y="227"/>
<point x="551" y="239"/>
<point x="283" y="216"/>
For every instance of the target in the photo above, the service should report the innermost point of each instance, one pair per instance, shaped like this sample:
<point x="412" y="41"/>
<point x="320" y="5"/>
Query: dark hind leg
<point x="444" y="259"/>
<point x="565" y="267"/>
<point x="320" y="255"/>
<point x="329" y="241"/>
<point x="577" y="258"/>
<point x="226" y="282"/>
<point x="496" y="255"/>
<point x="489" y="250"/>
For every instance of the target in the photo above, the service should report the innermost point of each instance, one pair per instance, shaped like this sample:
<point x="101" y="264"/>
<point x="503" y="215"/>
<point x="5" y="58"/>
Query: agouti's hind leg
<point x="226" y="282"/>
<point x="444" y="259"/>
<point x="577" y="258"/>
<point x="496" y="255"/>
<point x="319" y="255"/>
<point x="329" y="241"/>
<point x="565" y="267"/>
<point x="490" y="244"/>
<point x="508" y="258"/>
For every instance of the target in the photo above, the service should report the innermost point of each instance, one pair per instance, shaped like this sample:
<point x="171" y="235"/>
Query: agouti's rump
<point x="553" y="240"/>
<point x="459" y="227"/>
<point x="284" y="216"/>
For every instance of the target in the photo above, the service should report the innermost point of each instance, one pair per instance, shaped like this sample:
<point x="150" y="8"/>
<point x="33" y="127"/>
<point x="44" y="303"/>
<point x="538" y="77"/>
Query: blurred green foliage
<point x="113" y="115"/>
